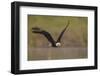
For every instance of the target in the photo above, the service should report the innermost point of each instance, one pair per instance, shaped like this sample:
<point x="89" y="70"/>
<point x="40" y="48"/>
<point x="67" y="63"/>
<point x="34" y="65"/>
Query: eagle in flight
<point x="54" y="43"/>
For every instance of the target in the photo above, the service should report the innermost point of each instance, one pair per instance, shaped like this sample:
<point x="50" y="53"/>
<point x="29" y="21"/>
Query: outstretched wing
<point x="45" y="33"/>
<point x="61" y="34"/>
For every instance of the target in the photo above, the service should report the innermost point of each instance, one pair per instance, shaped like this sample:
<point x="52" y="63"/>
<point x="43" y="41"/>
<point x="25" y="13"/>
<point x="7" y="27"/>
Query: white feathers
<point x="58" y="44"/>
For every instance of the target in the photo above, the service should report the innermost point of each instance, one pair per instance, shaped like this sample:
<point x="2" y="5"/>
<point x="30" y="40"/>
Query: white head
<point x="58" y="44"/>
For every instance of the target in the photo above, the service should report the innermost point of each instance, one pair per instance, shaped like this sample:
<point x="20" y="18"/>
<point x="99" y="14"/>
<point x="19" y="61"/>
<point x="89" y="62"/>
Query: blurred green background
<point x="75" y="35"/>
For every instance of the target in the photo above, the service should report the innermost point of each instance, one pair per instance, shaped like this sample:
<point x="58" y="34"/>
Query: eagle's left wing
<point x="61" y="34"/>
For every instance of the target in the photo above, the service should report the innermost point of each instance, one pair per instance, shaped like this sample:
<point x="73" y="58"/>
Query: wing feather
<point x="61" y="34"/>
<point x="49" y="37"/>
<point x="46" y="34"/>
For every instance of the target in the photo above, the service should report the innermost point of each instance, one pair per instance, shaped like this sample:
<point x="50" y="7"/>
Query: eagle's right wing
<point x="46" y="34"/>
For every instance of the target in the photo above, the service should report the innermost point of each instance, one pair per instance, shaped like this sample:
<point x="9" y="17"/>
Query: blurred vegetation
<point x="75" y="35"/>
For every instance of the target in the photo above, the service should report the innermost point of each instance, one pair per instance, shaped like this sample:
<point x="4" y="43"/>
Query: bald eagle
<point x="48" y="35"/>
